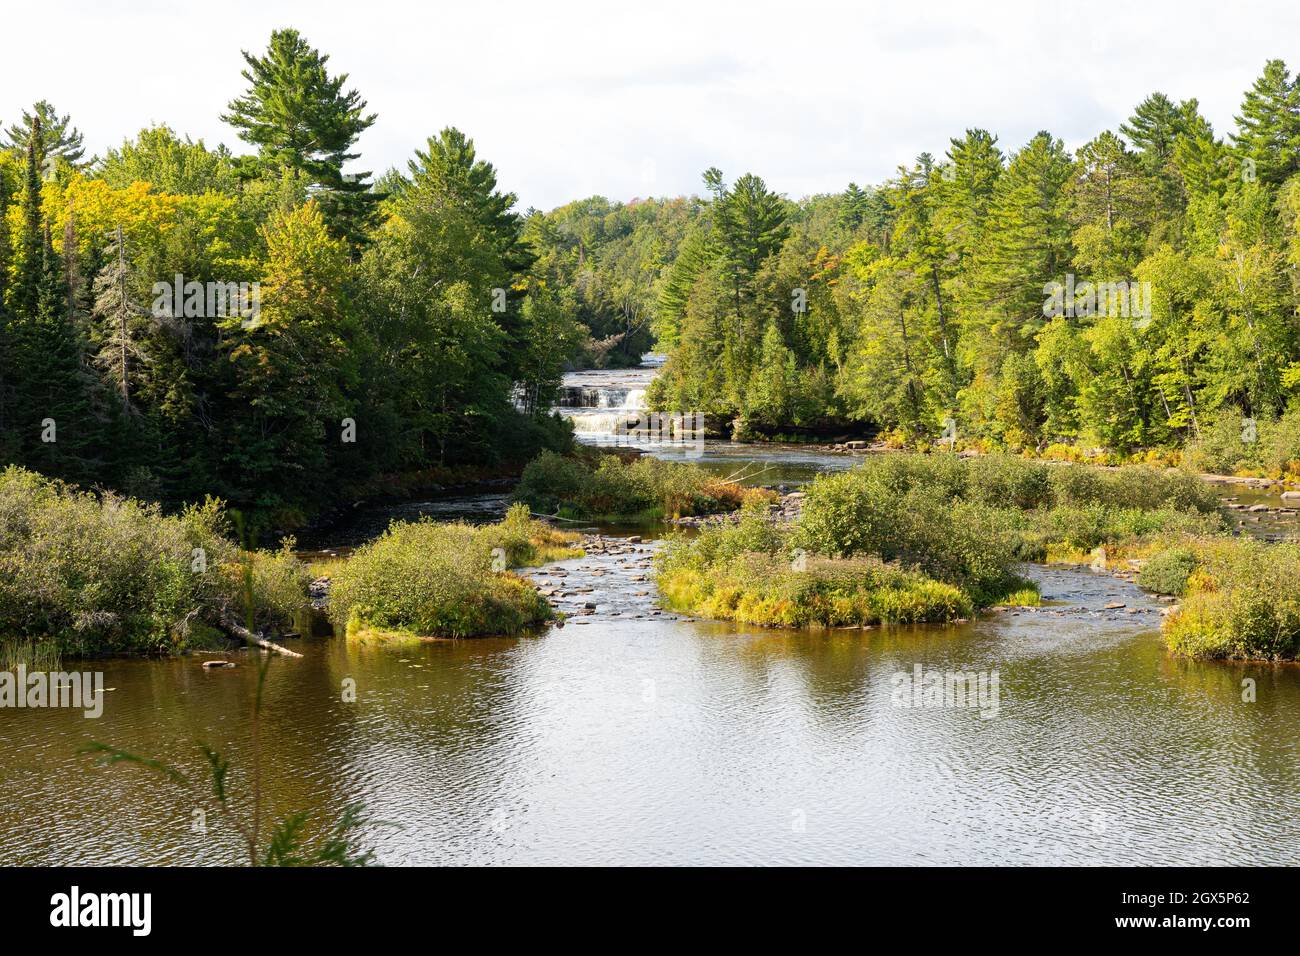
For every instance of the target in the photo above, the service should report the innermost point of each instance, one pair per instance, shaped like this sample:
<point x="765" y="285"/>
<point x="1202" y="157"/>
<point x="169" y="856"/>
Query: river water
<point x="632" y="735"/>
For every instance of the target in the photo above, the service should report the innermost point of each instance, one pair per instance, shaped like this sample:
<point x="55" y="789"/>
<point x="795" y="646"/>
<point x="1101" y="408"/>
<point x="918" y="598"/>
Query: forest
<point x="1137" y="294"/>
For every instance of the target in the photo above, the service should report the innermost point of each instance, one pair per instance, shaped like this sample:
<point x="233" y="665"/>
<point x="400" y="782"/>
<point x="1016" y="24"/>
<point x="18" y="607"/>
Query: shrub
<point x="766" y="589"/>
<point x="889" y="512"/>
<point x="1167" y="572"/>
<point x="749" y="571"/>
<point x="432" y="579"/>
<point x="105" y="574"/>
<point x="1223" y="447"/>
<point x="528" y="542"/>
<point x="1243" y="602"/>
<point x="605" y="486"/>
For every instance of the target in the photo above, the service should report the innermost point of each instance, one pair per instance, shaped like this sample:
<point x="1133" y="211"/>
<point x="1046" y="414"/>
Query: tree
<point x="853" y="210"/>
<point x="1026" y="244"/>
<point x="56" y="138"/>
<point x="299" y="116"/>
<point x="1268" y="128"/>
<point x="1110" y="206"/>
<point x="159" y="157"/>
<point x="751" y="225"/>
<point x="121" y="321"/>
<point x="291" y="364"/>
<point x="27" y="283"/>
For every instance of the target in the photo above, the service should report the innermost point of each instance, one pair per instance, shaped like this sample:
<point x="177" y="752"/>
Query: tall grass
<point x="34" y="655"/>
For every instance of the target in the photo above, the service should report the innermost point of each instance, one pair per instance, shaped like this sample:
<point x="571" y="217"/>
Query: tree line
<point x="1139" y="292"/>
<point x="398" y="323"/>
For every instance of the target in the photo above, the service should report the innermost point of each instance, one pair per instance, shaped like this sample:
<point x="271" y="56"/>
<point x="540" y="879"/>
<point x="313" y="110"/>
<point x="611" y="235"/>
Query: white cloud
<point x="568" y="99"/>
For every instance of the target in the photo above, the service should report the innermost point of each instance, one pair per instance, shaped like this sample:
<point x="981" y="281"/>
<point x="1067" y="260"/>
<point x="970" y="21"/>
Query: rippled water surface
<point x="628" y="740"/>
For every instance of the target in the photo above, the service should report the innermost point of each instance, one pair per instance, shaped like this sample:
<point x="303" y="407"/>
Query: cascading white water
<point x="603" y="402"/>
<point x="614" y="407"/>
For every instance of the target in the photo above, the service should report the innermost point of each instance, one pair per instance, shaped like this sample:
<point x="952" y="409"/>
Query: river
<point x="637" y="736"/>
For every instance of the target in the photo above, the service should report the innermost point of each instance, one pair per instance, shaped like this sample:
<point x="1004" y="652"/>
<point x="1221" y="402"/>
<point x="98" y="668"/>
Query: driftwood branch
<point x="227" y="623"/>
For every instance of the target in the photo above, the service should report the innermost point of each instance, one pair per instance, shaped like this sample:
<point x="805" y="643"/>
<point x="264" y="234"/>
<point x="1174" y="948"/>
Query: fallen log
<point x="227" y="623"/>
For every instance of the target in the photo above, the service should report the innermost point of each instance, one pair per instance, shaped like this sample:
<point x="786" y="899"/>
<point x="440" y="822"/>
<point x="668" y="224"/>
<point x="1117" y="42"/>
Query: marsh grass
<point x="31" y="653"/>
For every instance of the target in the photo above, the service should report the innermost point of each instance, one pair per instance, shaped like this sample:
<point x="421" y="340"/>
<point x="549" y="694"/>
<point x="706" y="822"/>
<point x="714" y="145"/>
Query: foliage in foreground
<point x="92" y="574"/>
<point x="598" y="485"/>
<point x="1242" y="601"/>
<point x="291" y="841"/>
<point x="447" y="580"/>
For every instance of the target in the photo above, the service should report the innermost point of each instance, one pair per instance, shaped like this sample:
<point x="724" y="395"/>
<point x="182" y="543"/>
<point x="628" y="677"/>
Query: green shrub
<point x="1167" y="572"/>
<point x="1226" y="447"/>
<point x="750" y="571"/>
<point x="100" y="574"/>
<point x="437" y="580"/>
<point x="1132" y="487"/>
<point x="769" y="590"/>
<point x="527" y="542"/>
<point x="1243" y="602"/>
<point x="605" y="486"/>
<point x="890" y="513"/>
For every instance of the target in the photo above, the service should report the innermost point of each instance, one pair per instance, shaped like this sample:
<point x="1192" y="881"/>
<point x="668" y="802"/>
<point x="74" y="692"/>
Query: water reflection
<point x="656" y="742"/>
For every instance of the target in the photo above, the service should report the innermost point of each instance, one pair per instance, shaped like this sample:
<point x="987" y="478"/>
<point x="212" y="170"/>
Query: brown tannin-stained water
<point x="634" y="737"/>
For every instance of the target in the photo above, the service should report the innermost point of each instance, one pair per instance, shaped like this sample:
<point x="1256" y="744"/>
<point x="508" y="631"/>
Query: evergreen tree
<point x="1268" y="128"/>
<point x="1154" y="130"/>
<point x="27" y="283"/>
<point x="300" y="117"/>
<point x="122" y="323"/>
<point x="854" y="207"/>
<point x="1111" y="208"/>
<point x="56" y="139"/>
<point x="1026" y="245"/>
<point x="751" y="225"/>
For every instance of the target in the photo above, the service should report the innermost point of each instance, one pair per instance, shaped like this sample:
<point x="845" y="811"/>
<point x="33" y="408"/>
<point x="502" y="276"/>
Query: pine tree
<point x="8" y="446"/>
<point x="121" y="322"/>
<point x="751" y="225"/>
<point x="853" y="207"/>
<point x="1268" y="129"/>
<point x="1111" y="208"/>
<point x="1154" y="130"/>
<point x="56" y="138"/>
<point x="27" y="284"/>
<point x="299" y="116"/>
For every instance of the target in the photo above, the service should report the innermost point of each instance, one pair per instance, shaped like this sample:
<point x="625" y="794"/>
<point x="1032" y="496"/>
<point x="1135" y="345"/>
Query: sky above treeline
<point x="571" y="99"/>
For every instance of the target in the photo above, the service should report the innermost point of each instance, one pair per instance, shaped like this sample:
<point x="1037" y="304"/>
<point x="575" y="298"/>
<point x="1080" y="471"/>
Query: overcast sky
<point x="570" y="99"/>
